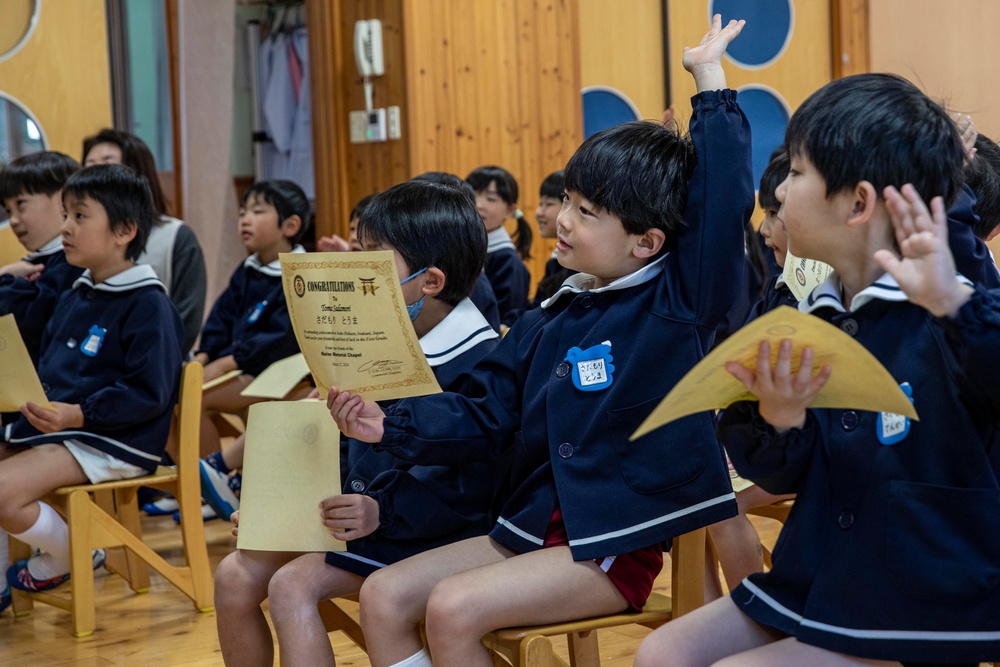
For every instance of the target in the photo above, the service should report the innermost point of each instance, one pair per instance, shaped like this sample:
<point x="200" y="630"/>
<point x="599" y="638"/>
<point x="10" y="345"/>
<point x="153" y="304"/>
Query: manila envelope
<point x="19" y="381"/>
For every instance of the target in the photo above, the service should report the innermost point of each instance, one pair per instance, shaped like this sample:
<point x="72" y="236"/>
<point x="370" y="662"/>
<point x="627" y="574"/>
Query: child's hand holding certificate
<point x="350" y="319"/>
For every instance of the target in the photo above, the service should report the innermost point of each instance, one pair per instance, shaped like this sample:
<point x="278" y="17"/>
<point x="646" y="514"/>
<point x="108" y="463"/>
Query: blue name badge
<point x="255" y="313"/>
<point x="95" y="339"/>
<point x="592" y="368"/>
<point x="891" y="427"/>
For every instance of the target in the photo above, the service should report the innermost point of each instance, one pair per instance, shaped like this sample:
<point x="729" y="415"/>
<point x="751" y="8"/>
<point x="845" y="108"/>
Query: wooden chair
<point x="531" y="646"/>
<point x="106" y="515"/>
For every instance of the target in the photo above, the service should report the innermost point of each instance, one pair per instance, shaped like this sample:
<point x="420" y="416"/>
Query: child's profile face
<point x="412" y="289"/>
<point x="260" y="228"/>
<point x="88" y="240"/>
<point x="36" y="219"/>
<point x="493" y="209"/>
<point x="594" y="241"/>
<point x="105" y="153"/>
<point x="546" y="214"/>
<point x="773" y="230"/>
<point x="352" y="238"/>
<point x="813" y="221"/>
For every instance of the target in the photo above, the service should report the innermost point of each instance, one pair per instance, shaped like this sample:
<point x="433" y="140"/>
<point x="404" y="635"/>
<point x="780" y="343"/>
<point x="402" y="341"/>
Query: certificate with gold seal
<point x="350" y="319"/>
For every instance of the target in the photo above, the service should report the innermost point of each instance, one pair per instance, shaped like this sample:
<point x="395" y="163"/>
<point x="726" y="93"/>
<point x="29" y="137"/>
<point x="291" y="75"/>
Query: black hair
<point x="430" y="224"/>
<point x="287" y="198"/>
<point x="774" y="174"/>
<point x="878" y="128"/>
<point x="639" y="173"/>
<point x="446" y="178"/>
<point x="553" y="186"/>
<point x="136" y="155"/>
<point x="125" y="196"/>
<point x="506" y="186"/>
<point x="45" y="173"/>
<point x="983" y="176"/>
<point x="359" y="208"/>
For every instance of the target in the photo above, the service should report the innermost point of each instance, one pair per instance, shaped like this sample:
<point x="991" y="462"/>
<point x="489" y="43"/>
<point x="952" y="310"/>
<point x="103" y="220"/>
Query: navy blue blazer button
<point x="90" y="294"/>
<point x="849" y="327"/>
<point x="846" y="519"/>
<point x="849" y="420"/>
<point x="563" y="369"/>
<point x="586" y="301"/>
<point x="565" y="450"/>
<point x="357" y="486"/>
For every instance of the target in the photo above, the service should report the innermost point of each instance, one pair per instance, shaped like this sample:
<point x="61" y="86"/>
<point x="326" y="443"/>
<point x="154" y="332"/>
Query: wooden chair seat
<point x="106" y="516"/>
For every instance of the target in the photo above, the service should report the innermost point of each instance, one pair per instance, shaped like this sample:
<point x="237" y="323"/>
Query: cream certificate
<point x="803" y="275"/>
<point x="291" y="463"/>
<point x="11" y="249"/>
<point x="350" y="319"/>
<point x="19" y="381"/>
<point x="222" y="379"/>
<point x="858" y="380"/>
<point x="279" y="378"/>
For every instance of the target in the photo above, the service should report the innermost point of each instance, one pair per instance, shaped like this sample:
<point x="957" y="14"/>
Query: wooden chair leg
<point x="537" y="651"/>
<point x="583" y="649"/>
<point x="81" y="566"/>
<point x="688" y="575"/>
<point x="22" y="603"/>
<point x="335" y="618"/>
<point x="196" y="551"/>
<point x="127" y="508"/>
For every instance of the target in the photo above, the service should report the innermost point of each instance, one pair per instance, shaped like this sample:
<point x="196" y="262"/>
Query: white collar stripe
<point x="272" y="268"/>
<point x="499" y="239"/>
<point x="577" y="283"/>
<point x="140" y="275"/>
<point x="885" y="288"/>
<point x="50" y="248"/>
<point x="461" y="330"/>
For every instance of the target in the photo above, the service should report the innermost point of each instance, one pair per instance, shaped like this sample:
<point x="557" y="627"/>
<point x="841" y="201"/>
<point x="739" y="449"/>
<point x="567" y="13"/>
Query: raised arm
<point x="705" y="60"/>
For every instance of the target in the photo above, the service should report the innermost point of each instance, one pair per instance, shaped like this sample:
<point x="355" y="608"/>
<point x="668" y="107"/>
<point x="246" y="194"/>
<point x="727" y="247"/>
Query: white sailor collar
<point x="50" y="248"/>
<point x="780" y="282"/>
<point x="462" y="329"/>
<point x="828" y="293"/>
<point x="580" y="282"/>
<point x="499" y="239"/>
<point x="140" y="275"/>
<point x="271" y="269"/>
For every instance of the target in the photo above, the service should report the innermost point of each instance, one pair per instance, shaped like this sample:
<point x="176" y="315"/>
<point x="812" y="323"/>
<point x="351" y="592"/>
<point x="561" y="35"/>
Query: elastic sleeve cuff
<point x="709" y="98"/>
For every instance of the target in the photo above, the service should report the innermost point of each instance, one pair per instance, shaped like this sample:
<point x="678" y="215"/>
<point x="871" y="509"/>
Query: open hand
<point x="355" y="418"/>
<point x="705" y="60"/>
<point x="332" y="244"/>
<point x="350" y="516"/>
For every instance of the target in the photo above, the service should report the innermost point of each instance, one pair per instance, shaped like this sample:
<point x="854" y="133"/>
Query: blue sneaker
<point x="215" y="490"/>
<point x="5" y="598"/>
<point x="20" y="577"/>
<point x="162" y="507"/>
<point x="207" y="513"/>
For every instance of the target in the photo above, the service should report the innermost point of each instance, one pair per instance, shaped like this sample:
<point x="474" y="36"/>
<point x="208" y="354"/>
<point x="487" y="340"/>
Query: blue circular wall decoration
<point x="605" y="107"/>
<point x="768" y="115"/>
<point x="766" y="35"/>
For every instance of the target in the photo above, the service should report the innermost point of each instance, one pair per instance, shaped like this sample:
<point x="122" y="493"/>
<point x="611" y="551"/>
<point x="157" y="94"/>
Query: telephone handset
<point x="368" y="47"/>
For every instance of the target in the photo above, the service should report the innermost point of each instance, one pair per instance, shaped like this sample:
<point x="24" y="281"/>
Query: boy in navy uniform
<point x="890" y="551"/>
<point x="30" y="189"/>
<point x="110" y="362"/>
<point x="390" y="508"/>
<point x="581" y="535"/>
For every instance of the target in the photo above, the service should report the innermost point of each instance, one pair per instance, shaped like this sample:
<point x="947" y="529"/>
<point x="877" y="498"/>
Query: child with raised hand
<point x="550" y="200"/>
<point x="30" y="190"/>
<point x="249" y="327"/>
<point x="351" y="244"/>
<point x="390" y="508"/>
<point x="888" y="554"/>
<point x="110" y="359"/>
<point x="582" y="532"/>
<point x="496" y="198"/>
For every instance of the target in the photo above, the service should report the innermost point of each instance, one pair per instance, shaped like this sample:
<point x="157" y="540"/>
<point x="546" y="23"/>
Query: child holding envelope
<point x="110" y="360"/>
<point x="390" y="509"/>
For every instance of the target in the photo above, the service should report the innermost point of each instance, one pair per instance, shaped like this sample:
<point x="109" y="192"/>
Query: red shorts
<point x="632" y="573"/>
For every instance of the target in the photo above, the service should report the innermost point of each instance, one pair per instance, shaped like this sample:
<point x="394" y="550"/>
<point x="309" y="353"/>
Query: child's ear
<point x="863" y="200"/>
<point x="290" y="226"/>
<point x="434" y="282"/>
<point x="649" y="243"/>
<point x="125" y="233"/>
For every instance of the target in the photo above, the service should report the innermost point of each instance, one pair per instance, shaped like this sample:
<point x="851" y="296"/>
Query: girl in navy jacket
<point x="390" y="508"/>
<point x="656" y="246"/>
<point x="891" y="549"/>
<point x="110" y="364"/>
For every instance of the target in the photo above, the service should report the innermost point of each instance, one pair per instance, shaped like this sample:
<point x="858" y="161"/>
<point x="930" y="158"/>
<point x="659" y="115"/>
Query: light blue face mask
<point x="413" y="310"/>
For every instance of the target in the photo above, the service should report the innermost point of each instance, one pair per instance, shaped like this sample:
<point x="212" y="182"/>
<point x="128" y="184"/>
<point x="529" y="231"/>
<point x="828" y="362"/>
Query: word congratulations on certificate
<point x="350" y="319"/>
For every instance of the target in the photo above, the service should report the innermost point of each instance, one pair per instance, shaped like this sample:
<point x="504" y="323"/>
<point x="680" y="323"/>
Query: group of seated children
<point x="516" y="497"/>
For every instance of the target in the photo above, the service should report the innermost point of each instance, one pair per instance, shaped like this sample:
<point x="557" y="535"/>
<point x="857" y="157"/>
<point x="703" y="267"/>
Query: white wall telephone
<point x="368" y="47"/>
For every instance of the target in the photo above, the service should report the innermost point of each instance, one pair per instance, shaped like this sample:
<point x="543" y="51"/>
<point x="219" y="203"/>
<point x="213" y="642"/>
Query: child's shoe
<point x="5" y="598"/>
<point x="20" y="577"/>
<point x="162" y="507"/>
<point x="207" y="513"/>
<point x="215" y="490"/>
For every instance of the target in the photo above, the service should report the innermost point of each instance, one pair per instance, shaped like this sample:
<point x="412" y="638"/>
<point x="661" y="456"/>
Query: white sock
<point x="419" y="659"/>
<point x="51" y="534"/>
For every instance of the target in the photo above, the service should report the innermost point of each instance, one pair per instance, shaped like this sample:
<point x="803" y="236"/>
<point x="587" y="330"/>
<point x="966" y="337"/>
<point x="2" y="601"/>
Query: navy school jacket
<point x="485" y="300"/>
<point x="775" y="294"/>
<point x="892" y="549"/>
<point x="508" y="275"/>
<point x="422" y="507"/>
<point x="114" y="348"/>
<point x="972" y="256"/>
<point x="571" y="446"/>
<point x="250" y="318"/>
<point x="32" y="303"/>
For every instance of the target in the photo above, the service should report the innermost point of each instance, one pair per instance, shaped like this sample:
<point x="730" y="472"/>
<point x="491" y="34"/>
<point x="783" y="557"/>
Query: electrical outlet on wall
<point x="359" y="127"/>
<point x="395" y="124"/>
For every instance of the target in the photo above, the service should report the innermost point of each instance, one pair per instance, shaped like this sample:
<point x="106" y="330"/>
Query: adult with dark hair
<point x="173" y="249"/>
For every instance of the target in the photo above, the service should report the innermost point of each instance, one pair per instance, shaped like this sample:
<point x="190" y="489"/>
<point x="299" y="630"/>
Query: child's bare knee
<point x="234" y="587"/>
<point x="376" y="599"/>
<point x="289" y="591"/>
<point x="452" y="608"/>
<point x="661" y="648"/>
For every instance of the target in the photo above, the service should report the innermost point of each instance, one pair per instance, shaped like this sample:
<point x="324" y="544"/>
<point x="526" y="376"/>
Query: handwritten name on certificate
<point x="19" y="382"/>
<point x="350" y="319"/>
<point x="858" y="381"/>
<point x="291" y="463"/>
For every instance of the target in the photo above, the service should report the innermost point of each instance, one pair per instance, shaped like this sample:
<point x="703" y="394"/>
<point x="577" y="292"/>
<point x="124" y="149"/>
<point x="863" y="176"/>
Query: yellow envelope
<point x="19" y="381"/>
<point x="803" y="275"/>
<point x="350" y="319"/>
<point x="11" y="249"/>
<point x="222" y="379"/>
<point x="291" y="463"/>
<point x="279" y="378"/>
<point x="858" y="381"/>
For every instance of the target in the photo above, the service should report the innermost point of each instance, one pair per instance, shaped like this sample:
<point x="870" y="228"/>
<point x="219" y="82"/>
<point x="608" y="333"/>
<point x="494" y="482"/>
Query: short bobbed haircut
<point x="41" y="173"/>
<point x="286" y="197"/>
<point x="774" y="174"/>
<point x="125" y="196"/>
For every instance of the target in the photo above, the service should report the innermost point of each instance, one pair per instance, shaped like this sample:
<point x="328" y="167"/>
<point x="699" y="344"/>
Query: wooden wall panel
<point x="61" y="73"/>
